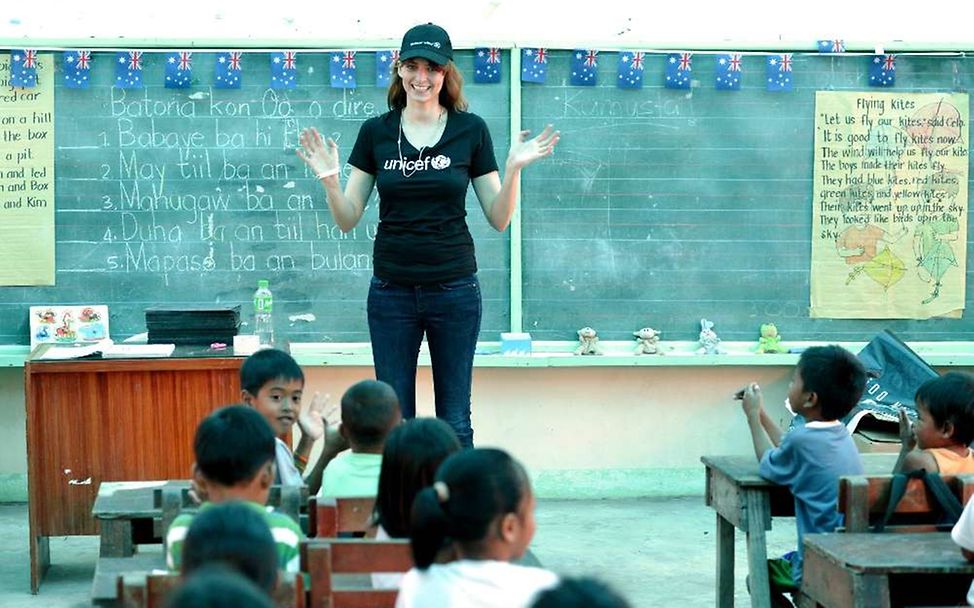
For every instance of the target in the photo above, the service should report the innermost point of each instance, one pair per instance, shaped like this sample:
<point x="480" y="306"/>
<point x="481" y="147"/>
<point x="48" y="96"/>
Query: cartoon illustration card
<point x="68" y="324"/>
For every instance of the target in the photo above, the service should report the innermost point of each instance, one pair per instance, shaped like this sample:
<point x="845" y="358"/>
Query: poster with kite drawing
<point x="889" y="205"/>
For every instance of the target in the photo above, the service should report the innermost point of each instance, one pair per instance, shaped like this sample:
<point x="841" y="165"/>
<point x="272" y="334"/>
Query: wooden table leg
<point x="116" y="538"/>
<point x="758" y="513"/>
<point x="725" y="563"/>
<point x="870" y="591"/>
<point x="40" y="560"/>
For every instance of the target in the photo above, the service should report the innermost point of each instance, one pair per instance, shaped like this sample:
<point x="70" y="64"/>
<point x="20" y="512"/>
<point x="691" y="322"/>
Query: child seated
<point x="218" y="587"/>
<point x="482" y="508"/>
<point x="370" y="409"/>
<point x="938" y="441"/>
<point x="272" y="382"/>
<point x="234" y="448"/>
<point x="809" y="459"/>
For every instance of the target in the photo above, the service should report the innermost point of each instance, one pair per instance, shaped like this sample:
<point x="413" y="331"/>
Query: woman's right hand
<point x="319" y="154"/>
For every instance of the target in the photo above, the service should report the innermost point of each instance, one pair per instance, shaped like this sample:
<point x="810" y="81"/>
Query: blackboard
<point x="664" y="206"/>
<point x="188" y="197"/>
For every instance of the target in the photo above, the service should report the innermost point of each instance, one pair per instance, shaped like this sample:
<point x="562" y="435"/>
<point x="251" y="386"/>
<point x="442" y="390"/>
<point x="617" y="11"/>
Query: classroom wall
<point x="13" y="435"/>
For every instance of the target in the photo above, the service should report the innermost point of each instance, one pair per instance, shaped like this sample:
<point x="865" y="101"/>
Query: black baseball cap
<point x="431" y="42"/>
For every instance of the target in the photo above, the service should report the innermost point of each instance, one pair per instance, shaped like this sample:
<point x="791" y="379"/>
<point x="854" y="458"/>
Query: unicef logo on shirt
<point x="441" y="162"/>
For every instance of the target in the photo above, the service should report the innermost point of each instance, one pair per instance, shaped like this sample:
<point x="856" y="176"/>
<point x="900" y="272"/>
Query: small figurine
<point x="770" y="341"/>
<point x="709" y="342"/>
<point x="588" y="342"/>
<point x="647" y="341"/>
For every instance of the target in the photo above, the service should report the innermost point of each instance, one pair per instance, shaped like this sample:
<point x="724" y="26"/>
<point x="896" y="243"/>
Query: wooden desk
<point x="745" y="500"/>
<point x="862" y="570"/>
<point x="94" y="420"/>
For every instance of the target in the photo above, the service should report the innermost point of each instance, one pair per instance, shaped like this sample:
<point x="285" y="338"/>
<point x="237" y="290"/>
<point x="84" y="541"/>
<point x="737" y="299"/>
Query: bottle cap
<point x="262" y="284"/>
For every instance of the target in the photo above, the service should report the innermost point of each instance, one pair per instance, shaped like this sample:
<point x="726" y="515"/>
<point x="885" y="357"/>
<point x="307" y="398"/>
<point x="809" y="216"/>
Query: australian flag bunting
<point x="728" y="72"/>
<point x="632" y="64"/>
<point x="585" y="64"/>
<point x="385" y="62"/>
<point x="882" y="71"/>
<point x="534" y="65"/>
<point x="77" y="69"/>
<point x="23" y="68"/>
<point x="831" y="46"/>
<point x="284" y="70"/>
<point x="342" y="66"/>
<point x="778" y="72"/>
<point x="128" y="70"/>
<point x="486" y="65"/>
<point x="227" y="74"/>
<point x="678" y="68"/>
<point x="179" y="70"/>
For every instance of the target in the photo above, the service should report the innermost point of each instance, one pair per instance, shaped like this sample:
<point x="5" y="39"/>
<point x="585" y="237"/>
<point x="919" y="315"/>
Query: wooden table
<point x="94" y="420"/>
<point x="745" y="500"/>
<point x="870" y="570"/>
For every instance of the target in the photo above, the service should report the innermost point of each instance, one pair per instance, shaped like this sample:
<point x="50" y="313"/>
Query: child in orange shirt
<point x="939" y="440"/>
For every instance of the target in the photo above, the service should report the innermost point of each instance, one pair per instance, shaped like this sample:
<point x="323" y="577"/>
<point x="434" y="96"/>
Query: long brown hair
<point x="451" y="95"/>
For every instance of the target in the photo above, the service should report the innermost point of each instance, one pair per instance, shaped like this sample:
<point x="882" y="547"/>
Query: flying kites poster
<point x="889" y="205"/>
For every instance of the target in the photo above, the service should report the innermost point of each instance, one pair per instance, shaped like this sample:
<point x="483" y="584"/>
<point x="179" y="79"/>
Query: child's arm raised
<point x="313" y="422"/>
<point x="752" y="402"/>
<point x="910" y="458"/>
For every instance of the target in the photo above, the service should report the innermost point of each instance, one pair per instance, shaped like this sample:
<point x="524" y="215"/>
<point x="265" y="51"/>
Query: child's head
<point x="272" y="382"/>
<point x="370" y="409"/>
<point x="412" y="454"/>
<point x="481" y="501"/>
<point x="580" y="593"/>
<point x="827" y="384"/>
<point x="234" y="534"/>
<point x="945" y="411"/>
<point x="234" y="448"/>
<point x="218" y="587"/>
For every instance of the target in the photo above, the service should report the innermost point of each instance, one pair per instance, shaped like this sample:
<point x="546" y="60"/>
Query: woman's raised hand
<point x="525" y="151"/>
<point x="319" y="154"/>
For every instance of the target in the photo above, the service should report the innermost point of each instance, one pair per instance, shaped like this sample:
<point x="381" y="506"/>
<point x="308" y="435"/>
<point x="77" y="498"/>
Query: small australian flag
<point x="23" y="68"/>
<point x="831" y="46"/>
<point x="585" y="64"/>
<point x="385" y="62"/>
<point x="486" y="65"/>
<point x="128" y="70"/>
<point x="678" y="68"/>
<point x="179" y="70"/>
<point x="779" y="72"/>
<point x="882" y="71"/>
<point x="632" y="64"/>
<point x="284" y="70"/>
<point x="77" y="69"/>
<point x="227" y="73"/>
<point x="534" y="65"/>
<point x="728" y="72"/>
<point x="342" y="66"/>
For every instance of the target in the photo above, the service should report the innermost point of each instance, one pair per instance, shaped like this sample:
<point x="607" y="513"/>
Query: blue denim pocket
<point x="467" y="282"/>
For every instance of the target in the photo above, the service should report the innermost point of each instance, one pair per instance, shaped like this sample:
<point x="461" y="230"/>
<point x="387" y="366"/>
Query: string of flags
<point x="228" y="72"/>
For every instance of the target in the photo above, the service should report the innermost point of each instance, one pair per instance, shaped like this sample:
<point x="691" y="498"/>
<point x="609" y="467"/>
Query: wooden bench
<point x="149" y="590"/>
<point x="327" y="517"/>
<point x="324" y="558"/>
<point x="863" y="500"/>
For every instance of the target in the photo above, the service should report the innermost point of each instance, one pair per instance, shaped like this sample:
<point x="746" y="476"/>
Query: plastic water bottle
<point x="263" y="307"/>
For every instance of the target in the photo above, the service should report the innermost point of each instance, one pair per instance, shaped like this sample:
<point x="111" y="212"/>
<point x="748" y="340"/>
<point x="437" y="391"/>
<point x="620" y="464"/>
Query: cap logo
<point x="425" y="42"/>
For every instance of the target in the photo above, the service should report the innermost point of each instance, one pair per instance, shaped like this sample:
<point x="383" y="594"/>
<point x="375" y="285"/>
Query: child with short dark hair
<point x="217" y="586"/>
<point x="940" y="438"/>
<point x="370" y="410"/>
<point x="234" y="448"/>
<point x="827" y="383"/>
<point x="580" y="593"/>
<point x="482" y="508"/>
<point x="272" y="382"/>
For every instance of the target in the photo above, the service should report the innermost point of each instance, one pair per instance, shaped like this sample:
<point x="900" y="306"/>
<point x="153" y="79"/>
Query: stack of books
<point x="192" y="325"/>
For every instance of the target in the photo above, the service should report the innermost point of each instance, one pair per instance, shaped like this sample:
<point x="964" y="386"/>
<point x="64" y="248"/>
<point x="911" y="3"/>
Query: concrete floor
<point x="655" y="551"/>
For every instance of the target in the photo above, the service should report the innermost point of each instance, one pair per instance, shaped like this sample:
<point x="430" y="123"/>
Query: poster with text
<point x="27" y="177"/>
<point x="889" y="205"/>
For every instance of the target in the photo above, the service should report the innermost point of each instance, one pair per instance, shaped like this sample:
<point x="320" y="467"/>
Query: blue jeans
<point x="449" y="314"/>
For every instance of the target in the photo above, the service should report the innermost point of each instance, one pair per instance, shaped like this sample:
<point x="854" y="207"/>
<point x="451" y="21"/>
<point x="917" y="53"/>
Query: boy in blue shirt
<point x="827" y="383"/>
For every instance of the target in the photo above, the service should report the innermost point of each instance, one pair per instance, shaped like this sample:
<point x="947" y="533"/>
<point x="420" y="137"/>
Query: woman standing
<point x="422" y="155"/>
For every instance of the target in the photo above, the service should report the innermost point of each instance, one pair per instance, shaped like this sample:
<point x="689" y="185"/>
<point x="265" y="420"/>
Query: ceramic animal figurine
<point x="647" y="341"/>
<point x="588" y="342"/>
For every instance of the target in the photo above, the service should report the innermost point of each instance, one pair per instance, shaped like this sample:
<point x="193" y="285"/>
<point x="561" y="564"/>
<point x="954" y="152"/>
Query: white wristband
<point x="328" y="173"/>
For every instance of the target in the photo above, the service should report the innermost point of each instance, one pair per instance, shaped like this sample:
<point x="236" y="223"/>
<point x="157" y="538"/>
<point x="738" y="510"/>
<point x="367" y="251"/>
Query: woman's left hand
<point x="525" y="151"/>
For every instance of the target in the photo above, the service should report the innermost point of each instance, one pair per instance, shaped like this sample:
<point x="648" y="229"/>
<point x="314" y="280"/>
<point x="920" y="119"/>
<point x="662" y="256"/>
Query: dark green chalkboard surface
<point x="659" y="207"/>
<point x="190" y="196"/>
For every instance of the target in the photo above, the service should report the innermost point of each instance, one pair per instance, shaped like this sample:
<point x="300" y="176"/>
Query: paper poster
<point x="27" y="177"/>
<point x="889" y="205"/>
<point x="68" y="324"/>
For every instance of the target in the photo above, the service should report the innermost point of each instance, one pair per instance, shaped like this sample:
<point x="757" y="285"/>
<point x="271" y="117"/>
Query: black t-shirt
<point x="423" y="236"/>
